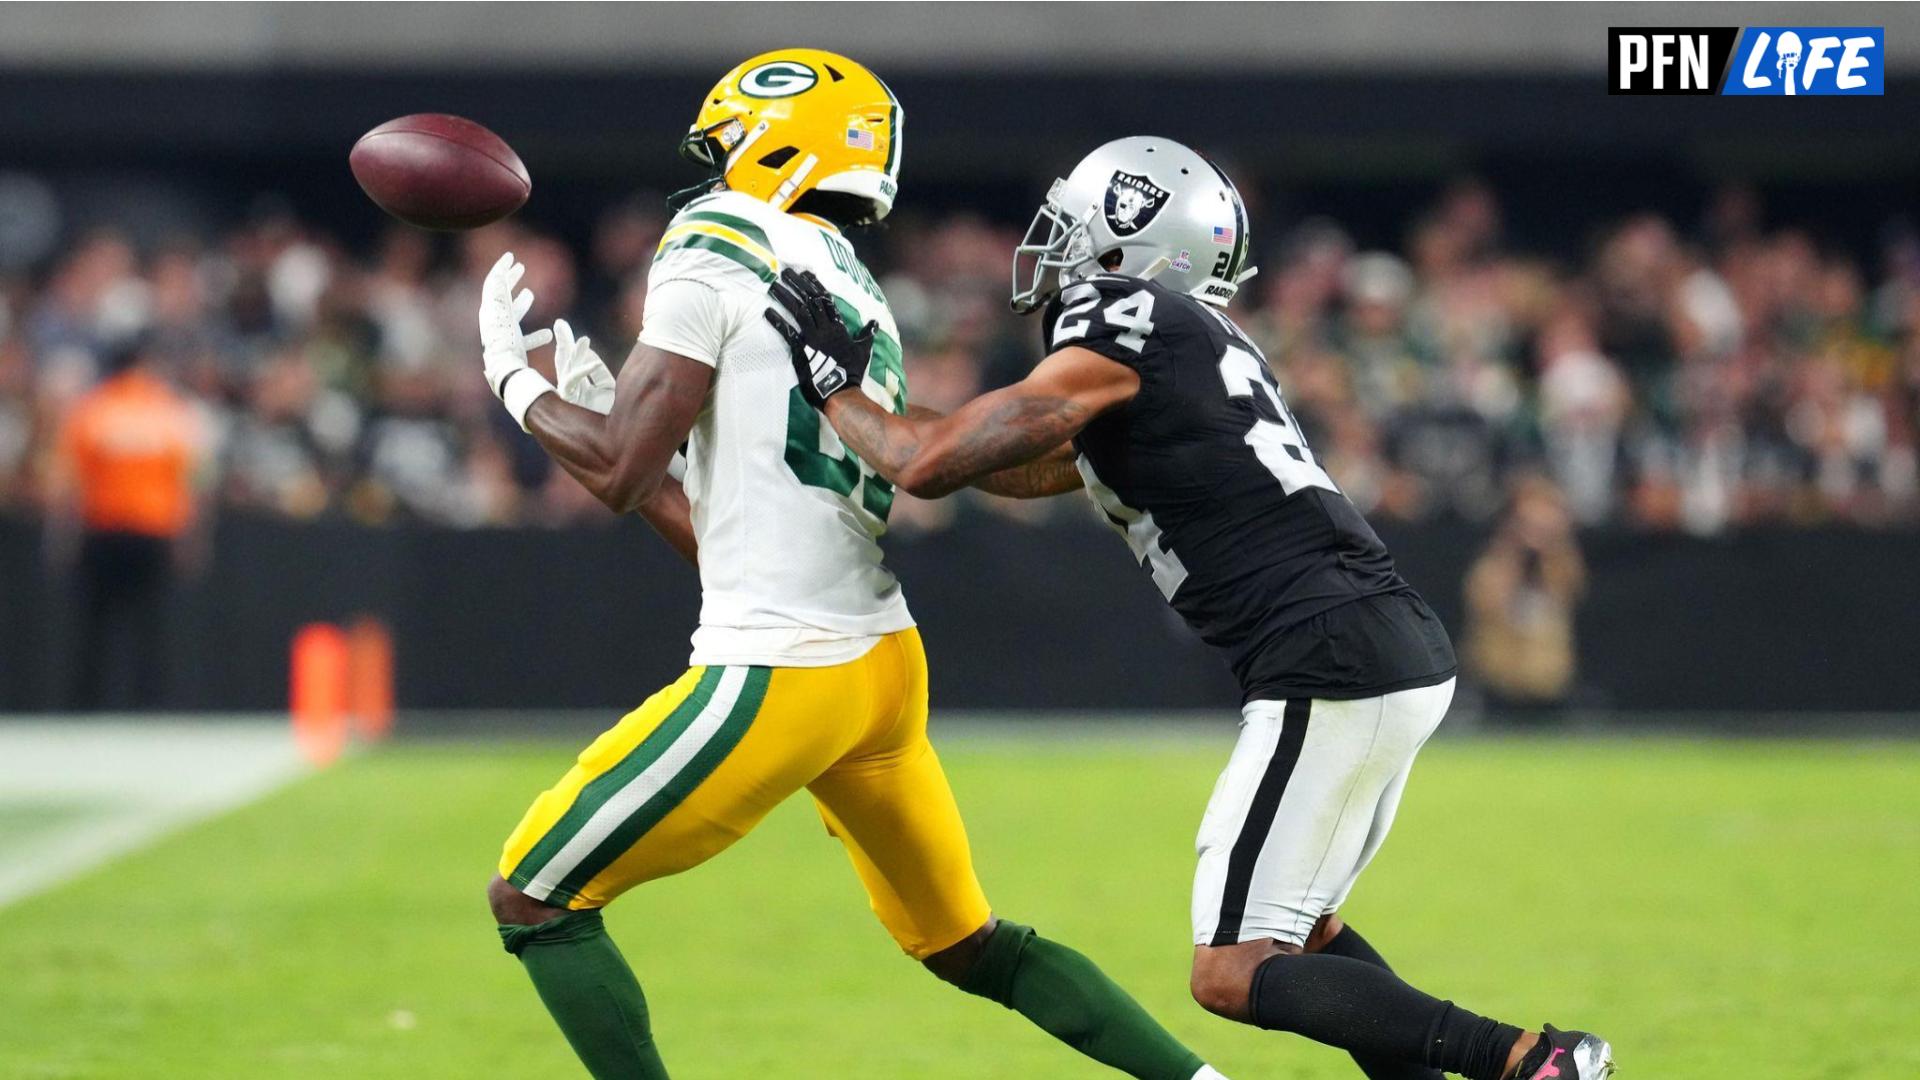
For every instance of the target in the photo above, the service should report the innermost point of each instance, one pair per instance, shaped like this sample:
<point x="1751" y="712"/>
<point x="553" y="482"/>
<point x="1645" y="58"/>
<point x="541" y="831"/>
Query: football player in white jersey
<point x="806" y="669"/>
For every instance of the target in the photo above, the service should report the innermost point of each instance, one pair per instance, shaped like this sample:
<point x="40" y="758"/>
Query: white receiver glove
<point x="503" y="348"/>
<point x="585" y="380"/>
<point x="583" y="377"/>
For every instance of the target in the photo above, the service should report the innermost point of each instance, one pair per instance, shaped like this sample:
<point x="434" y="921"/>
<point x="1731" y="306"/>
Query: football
<point x="440" y="172"/>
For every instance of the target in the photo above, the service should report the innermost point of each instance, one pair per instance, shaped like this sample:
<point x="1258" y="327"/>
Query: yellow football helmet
<point x="791" y="121"/>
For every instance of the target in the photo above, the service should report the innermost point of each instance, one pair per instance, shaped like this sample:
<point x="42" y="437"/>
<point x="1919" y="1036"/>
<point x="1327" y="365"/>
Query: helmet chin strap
<point x="1153" y="268"/>
<point x="679" y="199"/>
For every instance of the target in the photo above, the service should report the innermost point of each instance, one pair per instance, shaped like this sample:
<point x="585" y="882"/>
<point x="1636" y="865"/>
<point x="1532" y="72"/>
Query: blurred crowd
<point x="1697" y="375"/>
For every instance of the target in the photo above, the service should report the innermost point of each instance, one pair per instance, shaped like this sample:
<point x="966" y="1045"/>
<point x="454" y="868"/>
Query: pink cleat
<point x="1575" y="1055"/>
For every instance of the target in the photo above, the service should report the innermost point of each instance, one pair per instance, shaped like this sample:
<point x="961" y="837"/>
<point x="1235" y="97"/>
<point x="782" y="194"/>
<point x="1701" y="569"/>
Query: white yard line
<point x="130" y="783"/>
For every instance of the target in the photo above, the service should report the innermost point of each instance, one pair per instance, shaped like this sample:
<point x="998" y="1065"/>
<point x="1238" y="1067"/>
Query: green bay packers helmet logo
<point x="778" y="78"/>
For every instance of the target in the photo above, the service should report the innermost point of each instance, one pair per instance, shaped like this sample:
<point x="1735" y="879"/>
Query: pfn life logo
<point x="1788" y="61"/>
<point x="1796" y="60"/>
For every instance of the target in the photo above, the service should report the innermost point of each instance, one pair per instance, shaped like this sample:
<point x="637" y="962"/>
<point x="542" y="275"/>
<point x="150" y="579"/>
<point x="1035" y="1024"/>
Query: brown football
<point x="440" y="172"/>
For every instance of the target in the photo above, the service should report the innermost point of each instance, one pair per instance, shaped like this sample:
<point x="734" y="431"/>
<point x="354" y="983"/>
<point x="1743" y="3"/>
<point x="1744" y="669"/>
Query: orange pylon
<point x="317" y="691"/>
<point x="370" y="678"/>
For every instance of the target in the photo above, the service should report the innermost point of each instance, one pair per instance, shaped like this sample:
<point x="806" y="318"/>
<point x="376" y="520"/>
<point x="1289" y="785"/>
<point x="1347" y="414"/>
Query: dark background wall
<point x="158" y="152"/>
<point x="1029" y="617"/>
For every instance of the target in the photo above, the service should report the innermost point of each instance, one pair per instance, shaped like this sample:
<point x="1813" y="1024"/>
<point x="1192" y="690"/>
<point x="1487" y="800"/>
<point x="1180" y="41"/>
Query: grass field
<point x="1716" y="908"/>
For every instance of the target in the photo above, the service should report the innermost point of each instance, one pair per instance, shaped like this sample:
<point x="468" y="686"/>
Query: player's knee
<point x="1324" y="931"/>
<point x="1222" y="979"/>
<point x="511" y="907"/>
<point x="953" y="963"/>
<point x="1218" y="993"/>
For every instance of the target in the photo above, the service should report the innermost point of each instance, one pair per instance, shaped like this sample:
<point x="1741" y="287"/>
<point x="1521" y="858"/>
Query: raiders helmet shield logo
<point x="1132" y="202"/>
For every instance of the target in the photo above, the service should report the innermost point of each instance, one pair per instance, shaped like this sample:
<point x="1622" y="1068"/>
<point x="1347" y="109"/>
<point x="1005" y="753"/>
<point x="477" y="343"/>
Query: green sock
<point x="591" y="992"/>
<point x="1070" y="999"/>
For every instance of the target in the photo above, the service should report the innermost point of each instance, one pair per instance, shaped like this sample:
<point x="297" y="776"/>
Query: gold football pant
<point x="702" y="761"/>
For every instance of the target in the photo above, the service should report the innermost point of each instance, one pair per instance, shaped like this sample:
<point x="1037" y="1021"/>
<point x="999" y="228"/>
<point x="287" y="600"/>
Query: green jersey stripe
<point x="603" y="787"/>
<point x="702" y="242"/>
<point x="628" y="832"/>
<point x="732" y="221"/>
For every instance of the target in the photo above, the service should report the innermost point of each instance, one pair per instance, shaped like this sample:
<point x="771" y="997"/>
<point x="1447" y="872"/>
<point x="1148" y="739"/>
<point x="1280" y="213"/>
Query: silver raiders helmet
<point x="1142" y="206"/>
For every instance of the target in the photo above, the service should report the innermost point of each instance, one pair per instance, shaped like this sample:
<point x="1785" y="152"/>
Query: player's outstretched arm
<point x="581" y="378"/>
<point x="622" y="457"/>
<point x="931" y="457"/>
<point x="1050" y="474"/>
<point x="618" y="449"/>
<point x="1009" y="427"/>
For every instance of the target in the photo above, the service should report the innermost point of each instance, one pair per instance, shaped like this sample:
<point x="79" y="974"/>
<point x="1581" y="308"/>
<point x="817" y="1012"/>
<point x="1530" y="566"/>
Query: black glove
<point x="826" y="358"/>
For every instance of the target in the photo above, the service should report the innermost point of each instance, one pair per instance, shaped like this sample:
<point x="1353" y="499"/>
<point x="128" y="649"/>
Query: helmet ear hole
<point x="776" y="158"/>
<point x="1112" y="259"/>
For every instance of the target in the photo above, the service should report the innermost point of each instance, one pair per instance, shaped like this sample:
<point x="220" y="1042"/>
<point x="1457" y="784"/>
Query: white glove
<point x="585" y="381"/>
<point x="503" y="348"/>
<point x="583" y="377"/>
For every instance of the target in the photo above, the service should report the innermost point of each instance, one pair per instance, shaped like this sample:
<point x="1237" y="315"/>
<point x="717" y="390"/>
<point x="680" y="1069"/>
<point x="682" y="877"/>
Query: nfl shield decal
<point x="1132" y="202"/>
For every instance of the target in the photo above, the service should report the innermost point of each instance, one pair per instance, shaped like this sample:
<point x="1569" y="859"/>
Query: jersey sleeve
<point x="708" y="278"/>
<point x="1112" y="316"/>
<point x="691" y="318"/>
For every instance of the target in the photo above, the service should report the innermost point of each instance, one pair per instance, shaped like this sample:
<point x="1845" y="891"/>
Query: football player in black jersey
<point x="1154" y="401"/>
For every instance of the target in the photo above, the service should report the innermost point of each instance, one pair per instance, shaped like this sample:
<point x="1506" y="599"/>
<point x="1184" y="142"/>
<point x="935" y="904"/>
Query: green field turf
<point x="22" y="821"/>
<point x="1716" y="908"/>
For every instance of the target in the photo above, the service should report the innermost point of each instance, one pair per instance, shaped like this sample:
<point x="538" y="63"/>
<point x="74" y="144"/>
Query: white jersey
<point x="787" y="517"/>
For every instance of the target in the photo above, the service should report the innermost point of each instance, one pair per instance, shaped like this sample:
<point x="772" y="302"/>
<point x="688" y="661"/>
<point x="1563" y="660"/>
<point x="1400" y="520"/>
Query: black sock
<point x="1350" y="944"/>
<point x="1531" y="1061"/>
<point x="1367" y="1010"/>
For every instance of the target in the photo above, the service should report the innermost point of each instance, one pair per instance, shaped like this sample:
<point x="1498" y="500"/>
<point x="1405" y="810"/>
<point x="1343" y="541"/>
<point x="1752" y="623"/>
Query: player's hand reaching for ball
<point x="583" y="377"/>
<point x="503" y="347"/>
<point x="826" y="358"/>
<point x="586" y="381"/>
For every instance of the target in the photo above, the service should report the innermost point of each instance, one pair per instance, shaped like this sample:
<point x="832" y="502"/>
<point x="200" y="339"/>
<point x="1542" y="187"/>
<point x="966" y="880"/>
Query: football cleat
<point x="1573" y="1055"/>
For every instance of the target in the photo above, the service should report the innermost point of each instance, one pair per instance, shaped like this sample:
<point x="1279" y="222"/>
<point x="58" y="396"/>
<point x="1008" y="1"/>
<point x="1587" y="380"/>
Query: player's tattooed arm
<point x="1010" y="427"/>
<point x="622" y="457"/>
<point x="1051" y="474"/>
<point x="1054" y="474"/>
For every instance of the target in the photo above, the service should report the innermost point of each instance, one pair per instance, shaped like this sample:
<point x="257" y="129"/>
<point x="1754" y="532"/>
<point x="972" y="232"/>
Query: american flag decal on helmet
<point x="859" y="138"/>
<point x="1223" y="234"/>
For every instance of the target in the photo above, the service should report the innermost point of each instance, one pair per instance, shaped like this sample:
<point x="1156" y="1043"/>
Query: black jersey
<point x="1210" y="480"/>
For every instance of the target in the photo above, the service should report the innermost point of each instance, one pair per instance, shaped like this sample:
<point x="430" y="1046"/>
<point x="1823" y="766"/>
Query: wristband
<point x="520" y="390"/>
